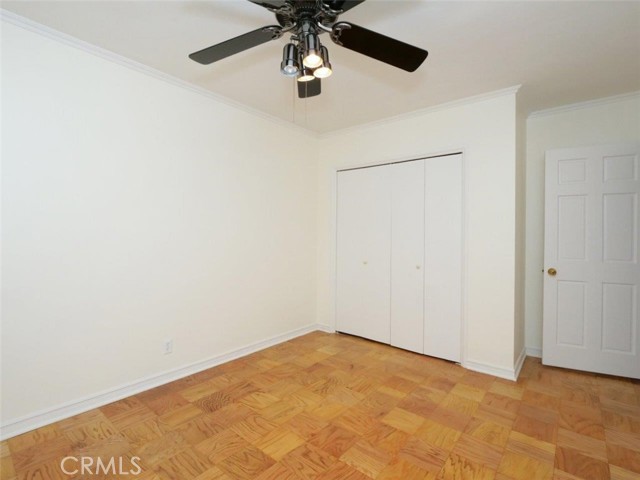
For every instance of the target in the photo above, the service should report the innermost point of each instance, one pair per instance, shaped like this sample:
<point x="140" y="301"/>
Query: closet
<point x="399" y="254"/>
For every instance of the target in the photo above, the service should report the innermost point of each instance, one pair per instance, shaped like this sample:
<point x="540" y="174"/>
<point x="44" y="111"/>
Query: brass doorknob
<point x="552" y="272"/>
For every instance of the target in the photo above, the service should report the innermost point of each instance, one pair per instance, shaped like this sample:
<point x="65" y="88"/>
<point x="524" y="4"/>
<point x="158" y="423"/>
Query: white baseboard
<point x="75" y="407"/>
<point x="534" y="352"/>
<point x="501" y="372"/>
<point x="325" y="328"/>
<point x="519" y="362"/>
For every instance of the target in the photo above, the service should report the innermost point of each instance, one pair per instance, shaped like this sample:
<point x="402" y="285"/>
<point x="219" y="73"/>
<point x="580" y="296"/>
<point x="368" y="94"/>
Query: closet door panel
<point x="443" y="257"/>
<point x="407" y="255"/>
<point x="363" y="253"/>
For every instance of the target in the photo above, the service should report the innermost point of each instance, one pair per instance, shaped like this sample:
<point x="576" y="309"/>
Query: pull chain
<point x="293" y="102"/>
<point x="306" y="99"/>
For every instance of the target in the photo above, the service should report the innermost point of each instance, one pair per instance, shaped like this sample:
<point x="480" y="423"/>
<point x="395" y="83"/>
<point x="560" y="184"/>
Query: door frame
<point x="334" y="232"/>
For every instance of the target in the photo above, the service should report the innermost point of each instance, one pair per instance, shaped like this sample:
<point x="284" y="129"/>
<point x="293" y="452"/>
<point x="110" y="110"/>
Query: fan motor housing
<point x="305" y="9"/>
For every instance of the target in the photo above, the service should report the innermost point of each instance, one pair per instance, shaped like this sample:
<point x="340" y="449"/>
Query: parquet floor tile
<point x="624" y="457"/>
<point x="517" y="465"/>
<point x="221" y="446"/>
<point x="341" y="471"/>
<point x="495" y="415"/>
<point x="306" y="425"/>
<point x="618" y="473"/>
<point x="333" y="439"/>
<point x="520" y="443"/>
<point x="580" y="465"/>
<point x="509" y="405"/>
<point x="458" y="467"/>
<point x="246" y="464"/>
<point x="586" y="445"/>
<point x="357" y="421"/>
<point x="38" y="436"/>
<point x="277" y="471"/>
<point x="488" y="431"/>
<point x="477" y="451"/>
<point x="539" y="413"/>
<point x="403" y="420"/>
<point x="535" y="428"/>
<point x="438" y="435"/>
<point x="253" y="427"/>
<point x="212" y="474"/>
<point x="199" y="429"/>
<point x="366" y="458"/>
<point x="308" y="461"/>
<point x="279" y="442"/>
<point x="402" y="469"/>
<point x="423" y="455"/>
<point x="184" y="465"/>
<point x="335" y="407"/>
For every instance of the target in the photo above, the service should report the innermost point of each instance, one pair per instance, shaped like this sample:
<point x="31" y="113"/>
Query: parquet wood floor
<point x="334" y="407"/>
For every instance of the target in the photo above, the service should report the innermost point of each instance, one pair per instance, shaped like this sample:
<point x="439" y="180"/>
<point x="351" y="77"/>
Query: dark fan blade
<point x="378" y="46"/>
<point x="343" y="5"/>
<point x="236" y="45"/>
<point x="309" y="89"/>
<point x="269" y="3"/>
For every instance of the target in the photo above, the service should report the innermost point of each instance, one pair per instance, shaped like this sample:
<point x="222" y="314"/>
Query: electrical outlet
<point x="168" y="347"/>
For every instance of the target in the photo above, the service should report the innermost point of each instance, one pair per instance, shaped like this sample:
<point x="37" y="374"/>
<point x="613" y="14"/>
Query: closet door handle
<point x="418" y="267"/>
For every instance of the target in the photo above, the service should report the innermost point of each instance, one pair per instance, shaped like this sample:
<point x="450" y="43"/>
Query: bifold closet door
<point x="443" y="257"/>
<point x="364" y="253"/>
<point x="407" y="255"/>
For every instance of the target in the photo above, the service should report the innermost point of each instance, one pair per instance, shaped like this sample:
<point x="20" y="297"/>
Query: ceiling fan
<point x="304" y="57"/>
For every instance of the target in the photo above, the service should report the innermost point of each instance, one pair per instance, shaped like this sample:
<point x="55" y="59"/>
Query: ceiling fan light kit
<point x="304" y="57"/>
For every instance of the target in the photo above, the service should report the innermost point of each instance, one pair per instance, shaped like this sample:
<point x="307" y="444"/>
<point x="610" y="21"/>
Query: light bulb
<point x="324" y="70"/>
<point x="290" y="70"/>
<point x="312" y="60"/>
<point x="306" y="76"/>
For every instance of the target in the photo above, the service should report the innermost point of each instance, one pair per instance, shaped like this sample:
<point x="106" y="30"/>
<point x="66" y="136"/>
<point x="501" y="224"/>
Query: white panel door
<point x="443" y="257"/>
<point x="407" y="255"/>
<point x="364" y="253"/>
<point x="591" y="269"/>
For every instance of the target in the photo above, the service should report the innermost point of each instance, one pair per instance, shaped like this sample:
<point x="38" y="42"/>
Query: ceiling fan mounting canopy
<point x="304" y="57"/>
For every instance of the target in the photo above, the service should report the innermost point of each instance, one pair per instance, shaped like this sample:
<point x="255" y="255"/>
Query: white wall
<point x="485" y="130"/>
<point x="606" y="121"/>
<point x="136" y="211"/>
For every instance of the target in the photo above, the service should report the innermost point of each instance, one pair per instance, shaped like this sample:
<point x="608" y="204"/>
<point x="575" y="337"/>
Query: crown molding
<point x="587" y="104"/>
<point x="423" y="111"/>
<point x="105" y="54"/>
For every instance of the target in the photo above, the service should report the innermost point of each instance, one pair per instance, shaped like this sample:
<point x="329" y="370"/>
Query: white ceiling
<point x="561" y="52"/>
